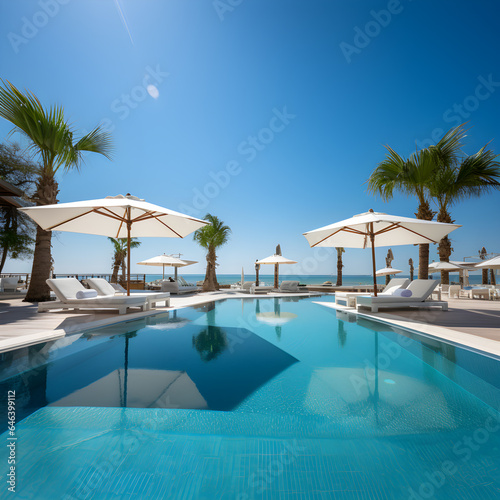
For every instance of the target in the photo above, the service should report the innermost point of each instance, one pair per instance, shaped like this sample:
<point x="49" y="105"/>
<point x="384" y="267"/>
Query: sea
<point x="306" y="279"/>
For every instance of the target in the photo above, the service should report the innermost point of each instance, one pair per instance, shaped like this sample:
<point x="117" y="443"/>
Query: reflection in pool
<point x="201" y="402"/>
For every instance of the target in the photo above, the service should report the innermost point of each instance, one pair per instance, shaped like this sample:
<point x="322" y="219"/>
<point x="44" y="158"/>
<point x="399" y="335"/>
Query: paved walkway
<point x="473" y="323"/>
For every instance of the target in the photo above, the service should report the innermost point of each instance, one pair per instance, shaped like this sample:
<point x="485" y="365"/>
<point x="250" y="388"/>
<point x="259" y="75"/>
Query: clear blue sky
<point x="295" y="98"/>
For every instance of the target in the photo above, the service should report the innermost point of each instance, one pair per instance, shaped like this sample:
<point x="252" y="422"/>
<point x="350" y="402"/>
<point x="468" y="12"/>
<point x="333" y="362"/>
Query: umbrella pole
<point x="175" y="272"/>
<point x="372" y="238"/>
<point x="276" y="267"/>
<point x="163" y="271"/>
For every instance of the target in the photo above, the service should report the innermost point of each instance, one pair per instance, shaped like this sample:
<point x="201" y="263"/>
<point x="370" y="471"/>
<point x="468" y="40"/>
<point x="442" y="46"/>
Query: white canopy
<point x="493" y="263"/>
<point x="444" y="266"/>
<point x="387" y="271"/>
<point x="388" y="230"/>
<point x="115" y="216"/>
<point x="167" y="260"/>
<point x="109" y="217"/>
<point x="377" y="229"/>
<point x="276" y="259"/>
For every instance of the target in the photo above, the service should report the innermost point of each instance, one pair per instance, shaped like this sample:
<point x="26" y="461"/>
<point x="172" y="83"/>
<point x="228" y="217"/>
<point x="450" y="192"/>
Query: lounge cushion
<point x="402" y="292"/>
<point x="86" y="294"/>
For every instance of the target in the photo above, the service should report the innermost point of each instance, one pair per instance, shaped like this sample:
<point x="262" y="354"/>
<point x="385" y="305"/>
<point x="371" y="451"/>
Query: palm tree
<point x="340" y="251"/>
<point x="412" y="177"/>
<point x="120" y="256"/>
<point x="211" y="237"/>
<point x="51" y="139"/>
<point x="458" y="177"/>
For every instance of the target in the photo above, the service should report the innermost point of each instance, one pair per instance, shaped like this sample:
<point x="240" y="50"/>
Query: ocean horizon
<point x="310" y="279"/>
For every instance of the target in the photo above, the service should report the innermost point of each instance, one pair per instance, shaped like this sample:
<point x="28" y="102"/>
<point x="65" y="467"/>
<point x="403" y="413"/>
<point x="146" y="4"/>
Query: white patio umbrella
<point x="444" y="266"/>
<point x="387" y="271"/>
<point x="115" y="216"/>
<point x="276" y="260"/>
<point x="493" y="263"/>
<point x="377" y="229"/>
<point x="167" y="260"/>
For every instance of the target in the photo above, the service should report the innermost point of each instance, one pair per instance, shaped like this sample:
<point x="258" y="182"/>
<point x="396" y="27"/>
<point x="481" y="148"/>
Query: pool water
<point x="253" y="398"/>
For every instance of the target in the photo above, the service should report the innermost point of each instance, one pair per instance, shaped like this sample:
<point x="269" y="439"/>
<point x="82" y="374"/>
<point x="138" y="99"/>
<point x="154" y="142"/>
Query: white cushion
<point x="86" y="294"/>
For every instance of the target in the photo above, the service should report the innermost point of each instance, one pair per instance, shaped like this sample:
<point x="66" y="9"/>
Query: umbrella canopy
<point x="444" y="266"/>
<point x="387" y="271"/>
<point x="493" y="263"/>
<point x="276" y="260"/>
<point x="167" y="260"/>
<point x="377" y="229"/>
<point x="115" y="216"/>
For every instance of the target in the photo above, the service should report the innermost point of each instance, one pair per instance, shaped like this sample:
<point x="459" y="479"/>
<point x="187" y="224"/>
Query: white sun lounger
<point x="349" y="298"/>
<point x="421" y="290"/>
<point x="67" y="288"/>
<point x="106" y="289"/>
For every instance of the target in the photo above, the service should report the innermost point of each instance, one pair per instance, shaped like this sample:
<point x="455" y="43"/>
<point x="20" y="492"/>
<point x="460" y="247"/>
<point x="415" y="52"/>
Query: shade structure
<point x="493" y="263"/>
<point x="377" y="229"/>
<point x="387" y="271"/>
<point x="115" y="216"/>
<point x="276" y="260"/>
<point x="167" y="260"/>
<point x="444" y="266"/>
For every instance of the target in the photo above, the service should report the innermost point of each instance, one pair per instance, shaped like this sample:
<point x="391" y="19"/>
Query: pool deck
<point x="471" y="323"/>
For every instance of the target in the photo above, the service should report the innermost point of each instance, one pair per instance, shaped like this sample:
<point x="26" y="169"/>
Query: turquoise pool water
<point x="253" y="399"/>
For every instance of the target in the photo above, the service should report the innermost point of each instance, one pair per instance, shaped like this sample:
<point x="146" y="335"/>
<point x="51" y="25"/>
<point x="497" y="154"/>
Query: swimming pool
<point x="253" y="398"/>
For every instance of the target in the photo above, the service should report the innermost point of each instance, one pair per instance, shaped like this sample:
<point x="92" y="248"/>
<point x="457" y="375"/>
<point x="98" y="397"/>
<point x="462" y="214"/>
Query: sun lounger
<point x="261" y="289"/>
<point x="67" y="288"/>
<point x="289" y="287"/>
<point x="175" y="287"/>
<point x="106" y="289"/>
<point x="421" y="291"/>
<point x="245" y="288"/>
<point x="349" y="298"/>
<point x="9" y="284"/>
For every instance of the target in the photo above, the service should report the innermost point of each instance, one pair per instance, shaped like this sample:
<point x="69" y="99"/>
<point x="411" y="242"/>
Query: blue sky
<point x="270" y="115"/>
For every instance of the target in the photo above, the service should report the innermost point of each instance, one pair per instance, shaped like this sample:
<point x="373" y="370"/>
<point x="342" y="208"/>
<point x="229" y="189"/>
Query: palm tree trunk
<point x="39" y="291"/>
<point x="339" y="266"/>
<point x="424" y="213"/>
<point x="116" y="269"/>
<point x="210" y="284"/>
<point x="485" y="277"/>
<point x="444" y="247"/>
<point x="5" y="246"/>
